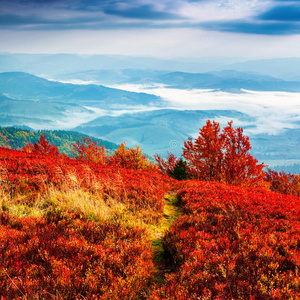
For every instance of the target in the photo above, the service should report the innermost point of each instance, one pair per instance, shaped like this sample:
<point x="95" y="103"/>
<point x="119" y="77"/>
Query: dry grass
<point x="90" y="206"/>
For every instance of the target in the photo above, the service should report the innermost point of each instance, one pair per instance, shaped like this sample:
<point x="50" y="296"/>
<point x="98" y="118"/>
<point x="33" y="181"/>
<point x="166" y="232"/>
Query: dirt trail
<point x="162" y="260"/>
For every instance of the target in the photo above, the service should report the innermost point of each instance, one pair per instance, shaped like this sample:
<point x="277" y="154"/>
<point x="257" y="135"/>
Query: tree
<point x="284" y="183"/>
<point x="239" y="166"/>
<point x="42" y="147"/>
<point x="223" y="156"/>
<point x="131" y="159"/>
<point x="180" y="171"/>
<point x="85" y="149"/>
<point x="205" y="155"/>
<point x="166" y="166"/>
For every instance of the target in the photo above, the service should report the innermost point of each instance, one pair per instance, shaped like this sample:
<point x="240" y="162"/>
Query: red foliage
<point x="168" y="165"/>
<point x="284" y="183"/>
<point x="66" y="256"/>
<point x="234" y="243"/>
<point x="223" y="157"/>
<point x="86" y="150"/>
<point x="71" y="259"/>
<point x="131" y="159"/>
<point x="30" y="174"/>
<point x="42" y="147"/>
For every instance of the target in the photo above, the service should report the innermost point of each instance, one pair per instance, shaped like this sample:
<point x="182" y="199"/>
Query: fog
<point x="272" y="111"/>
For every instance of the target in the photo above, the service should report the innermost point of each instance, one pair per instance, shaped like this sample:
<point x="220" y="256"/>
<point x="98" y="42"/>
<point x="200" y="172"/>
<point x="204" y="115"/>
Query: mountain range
<point x="138" y="118"/>
<point x="59" y="65"/>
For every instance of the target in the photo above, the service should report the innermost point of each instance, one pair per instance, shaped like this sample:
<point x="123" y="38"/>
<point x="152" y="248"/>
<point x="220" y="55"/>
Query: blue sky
<point x="164" y="28"/>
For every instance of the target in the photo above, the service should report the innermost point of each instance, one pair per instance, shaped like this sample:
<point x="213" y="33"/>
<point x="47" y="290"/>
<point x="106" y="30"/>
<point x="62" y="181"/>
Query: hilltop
<point x="71" y="228"/>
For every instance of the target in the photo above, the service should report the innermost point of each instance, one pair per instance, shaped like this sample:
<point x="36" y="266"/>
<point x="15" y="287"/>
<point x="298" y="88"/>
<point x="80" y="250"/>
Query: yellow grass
<point x="91" y="206"/>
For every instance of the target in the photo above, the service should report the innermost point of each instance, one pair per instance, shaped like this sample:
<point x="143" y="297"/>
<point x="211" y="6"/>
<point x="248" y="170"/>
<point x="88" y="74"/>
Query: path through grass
<point x="162" y="260"/>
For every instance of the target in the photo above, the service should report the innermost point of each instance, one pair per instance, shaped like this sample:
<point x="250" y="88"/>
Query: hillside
<point x="153" y="122"/>
<point x="39" y="103"/>
<point x="15" y="138"/>
<point x="78" y="230"/>
<point x="24" y="86"/>
<point x="147" y="128"/>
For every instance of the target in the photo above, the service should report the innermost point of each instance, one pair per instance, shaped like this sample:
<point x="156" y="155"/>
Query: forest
<point x="212" y="224"/>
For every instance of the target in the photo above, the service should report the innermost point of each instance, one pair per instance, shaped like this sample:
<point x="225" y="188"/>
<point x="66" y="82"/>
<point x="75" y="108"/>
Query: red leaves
<point x="42" y="147"/>
<point x="32" y="174"/>
<point x="284" y="183"/>
<point x="86" y="150"/>
<point x="71" y="258"/>
<point x="64" y="255"/>
<point x="234" y="243"/>
<point x="131" y="159"/>
<point x="205" y="154"/>
<point x="223" y="157"/>
<point x="168" y="165"/>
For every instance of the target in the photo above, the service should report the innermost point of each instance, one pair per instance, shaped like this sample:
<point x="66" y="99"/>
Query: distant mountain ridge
<point x="225" y="80"/>
<point x="29" y="100"/>
<point x="24" y="86"/>
<point x="157" y="131"/>
<point x="49" y="65"/>
<point x="138" y="118"/>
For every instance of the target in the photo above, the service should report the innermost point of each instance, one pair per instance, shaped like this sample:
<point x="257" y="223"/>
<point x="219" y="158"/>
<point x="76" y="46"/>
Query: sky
<point x="158" y="28"/>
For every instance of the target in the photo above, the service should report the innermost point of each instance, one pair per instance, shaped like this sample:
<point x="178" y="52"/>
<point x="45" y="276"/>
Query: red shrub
<point x="71" y="258"/>
<point x="30" y="174"/>
<point x="284" y="183"/>
<point x="234" y="243"/>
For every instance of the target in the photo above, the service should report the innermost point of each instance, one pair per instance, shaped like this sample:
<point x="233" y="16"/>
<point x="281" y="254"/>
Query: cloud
<point x="288" y="13"/>
<point x="147" y="12"/>
<point x="254" y="27"/>
<point x="272" y="112"/>
<point x="277" y="17"/>
<point x="98" y="14"/>
<point x="94" y="14"/>
<point x="264" y="17"/>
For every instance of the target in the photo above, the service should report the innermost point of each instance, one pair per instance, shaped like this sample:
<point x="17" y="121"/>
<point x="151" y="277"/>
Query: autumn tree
<point x="284" y="183"/>
<point x="223" y="156"/>
<point x="166" y="165"/>
<point x="205" y="155"/>
<point x="87" y="150"/>
<point x="42" y="147"/>
<point x="131" y="159"/>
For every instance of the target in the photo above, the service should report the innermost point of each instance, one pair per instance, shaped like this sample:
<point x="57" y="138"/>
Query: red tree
<point x="284" y="183"/>
<point x="168" y="164"/>
<point x="132" y="159"/>
<point x="223" y="156"/>
<point x="42" y="147"/>
<point x="86" y="150"/>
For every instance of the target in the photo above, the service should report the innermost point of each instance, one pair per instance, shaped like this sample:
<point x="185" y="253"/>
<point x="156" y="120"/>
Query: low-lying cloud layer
<point x="273" y="111"/>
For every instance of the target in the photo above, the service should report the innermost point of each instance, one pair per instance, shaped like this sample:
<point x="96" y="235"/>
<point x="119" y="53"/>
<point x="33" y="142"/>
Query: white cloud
<point x="273" y="111"/>
<point x="221" y="10"/>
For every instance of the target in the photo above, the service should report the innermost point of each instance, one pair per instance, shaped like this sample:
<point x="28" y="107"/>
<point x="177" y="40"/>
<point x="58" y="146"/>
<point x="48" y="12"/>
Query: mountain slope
<point x="229" y="80"/>
<point x="225" y="80"/>
<point x="15" y="138"/>
<point x="75" y="229"/>
<point x="157" y="131"/>
<point x="21" y="86"/>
